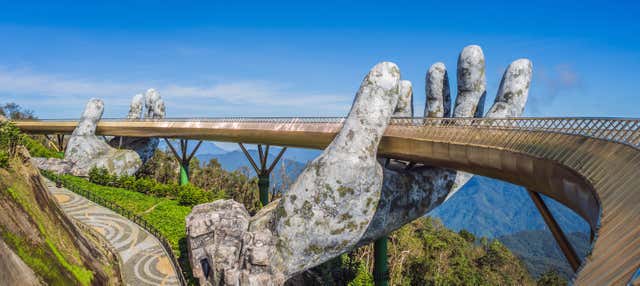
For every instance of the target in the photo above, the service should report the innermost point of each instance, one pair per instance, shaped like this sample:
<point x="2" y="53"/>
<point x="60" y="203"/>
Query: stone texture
<point x="135" y="109"/>
<point x="514" y="90"/>
<point x="219" y="235"/>
<point x="13" y="271"/>
<point x="331" y="203"/>
<point x="55" y="165"/>
<point x="86" y="151"/>
<point x="155" y="109"/>
<point x="344" y="198"/>
<point x="405" y="101"/>
<point x="471" y="83"/>
<point x="438" y="102"/>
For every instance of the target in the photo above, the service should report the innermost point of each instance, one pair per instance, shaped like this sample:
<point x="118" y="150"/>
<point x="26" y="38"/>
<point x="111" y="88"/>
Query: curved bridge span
<point x="591" y="165"/>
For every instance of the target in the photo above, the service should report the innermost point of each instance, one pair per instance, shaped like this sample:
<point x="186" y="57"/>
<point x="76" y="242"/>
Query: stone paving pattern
<point x="143" y="260"/>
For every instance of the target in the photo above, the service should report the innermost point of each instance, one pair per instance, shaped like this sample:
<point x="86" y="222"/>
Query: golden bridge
<point x="591" y="165"/>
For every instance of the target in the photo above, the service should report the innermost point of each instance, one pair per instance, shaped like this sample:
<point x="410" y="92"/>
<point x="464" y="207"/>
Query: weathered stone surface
<point x="55" y="165"/>
<point x="471" y="83"/>
<point x="155" y="109"/>
<point x="514" y="90"/>
<point x="219" y="235"/>
<point x="13" y="271"/>
<point x="438" y="102"/>
<point x="86" y="151"/>
<point x="331" y="203"/>
<point x="405" y="101"/>
<point x="135" y="109"/>
<point x="344" y="198"/>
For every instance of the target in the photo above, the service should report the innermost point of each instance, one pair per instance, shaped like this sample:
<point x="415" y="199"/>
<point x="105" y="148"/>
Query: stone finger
<point x="438" y="102"/>
<point x="471" y="83"/>
<point x="404" y="108"/>
<point x="135" y="109"/>
<point x="90" y="117"/>
<point x="514" y="90"/>
<point x="328" y="208"/>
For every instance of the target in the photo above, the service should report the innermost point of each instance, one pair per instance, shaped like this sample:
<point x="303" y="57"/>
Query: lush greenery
<point x="10" y="137"/>
<point x="540" y="252"/>
<point x="188" y="195"/>
<point x="165" y="214"/>
<point x="424" y="252"/>
<point x="32" y="227"/>
<point x="211" y="177"/>
<point x="551" y="278"/>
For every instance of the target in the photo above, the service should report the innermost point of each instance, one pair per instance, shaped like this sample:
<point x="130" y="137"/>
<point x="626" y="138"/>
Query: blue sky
<point x="299" y="59"/>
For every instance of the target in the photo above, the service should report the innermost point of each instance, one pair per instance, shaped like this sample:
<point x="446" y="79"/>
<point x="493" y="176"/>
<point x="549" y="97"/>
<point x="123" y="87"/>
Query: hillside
<point x="540" y="252"/>
<point x="285" y="173"/>
<point x="425" y="252"/>
<point x="40" y="244"/>
<point x="492" y="208"/>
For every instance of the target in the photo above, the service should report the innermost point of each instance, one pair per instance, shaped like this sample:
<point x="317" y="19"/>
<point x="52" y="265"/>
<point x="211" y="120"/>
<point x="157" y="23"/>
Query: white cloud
<point x="41" y="90"/>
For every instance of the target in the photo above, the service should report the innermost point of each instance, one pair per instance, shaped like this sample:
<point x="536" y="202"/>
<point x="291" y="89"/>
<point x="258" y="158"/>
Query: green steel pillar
<point x="263" y="186"/>
<point x="262" y="169"/>
<point x="380" y="263"/>
<point x="184" y="174"/>
<point x="183" y="158"/>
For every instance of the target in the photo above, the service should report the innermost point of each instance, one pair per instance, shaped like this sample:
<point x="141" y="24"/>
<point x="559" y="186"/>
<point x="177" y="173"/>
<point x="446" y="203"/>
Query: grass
<point x="41" y="258"/>
<point x="168" y="216"/>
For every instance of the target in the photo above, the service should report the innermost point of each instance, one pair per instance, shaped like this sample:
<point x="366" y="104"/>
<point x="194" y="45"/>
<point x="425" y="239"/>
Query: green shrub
<point x="36" y="149"/>
<point x="4" y="159"/>
<point x="551" y="278"/>
<point x="190" y="195"/>
<point x="144" y="186"/>
<point x="9" y="137"/>
<point x="468" y="236"/>
<point x="101" y="176"/>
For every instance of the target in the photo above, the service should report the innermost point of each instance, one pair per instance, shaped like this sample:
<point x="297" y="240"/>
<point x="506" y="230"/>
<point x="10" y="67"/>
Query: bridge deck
<point x="589" y="165"/>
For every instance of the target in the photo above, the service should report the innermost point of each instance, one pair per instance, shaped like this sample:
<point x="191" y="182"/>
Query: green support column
<point x="262" y="170"/>
<point x="380" y="263"/>
<point x="184" y="174"/>
<point x="263" y="187"/>
<point x="183" y="158"/>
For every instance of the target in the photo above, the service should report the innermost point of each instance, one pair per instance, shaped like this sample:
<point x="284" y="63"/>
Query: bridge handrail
<point x="126" y="213"/>
<point x="620" y="130"/>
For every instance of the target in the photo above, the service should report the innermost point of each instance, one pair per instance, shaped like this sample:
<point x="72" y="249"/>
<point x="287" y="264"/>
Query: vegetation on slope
<point x="35" y="228"/>
<point x="540" y="252"/>
<point x="424" y="252"/>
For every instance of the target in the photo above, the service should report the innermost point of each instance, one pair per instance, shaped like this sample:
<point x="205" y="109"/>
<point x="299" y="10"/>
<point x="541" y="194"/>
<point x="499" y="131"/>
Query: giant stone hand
<point x="155" y="109"/>
<point x="86" y="151"/>
<point x="345" y="198"/>
<point x="122" y="156"/>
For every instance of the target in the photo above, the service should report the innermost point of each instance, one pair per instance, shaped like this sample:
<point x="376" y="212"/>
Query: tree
<point x="551" y="278"/>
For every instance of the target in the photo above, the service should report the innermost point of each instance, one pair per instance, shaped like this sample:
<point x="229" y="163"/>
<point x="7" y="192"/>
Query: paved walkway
<point x="143" y="260"/>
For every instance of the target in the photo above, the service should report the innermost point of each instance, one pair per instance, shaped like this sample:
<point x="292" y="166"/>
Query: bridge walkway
<point x="143" y="260"/>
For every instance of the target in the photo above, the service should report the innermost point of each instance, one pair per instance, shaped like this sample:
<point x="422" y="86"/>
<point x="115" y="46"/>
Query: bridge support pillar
<point x="184" y="158"/>
<point x="263" y="170"/>
<point x="564" y="243"/>
<point x="58" y="143"/>
<point x="380" y="263"/>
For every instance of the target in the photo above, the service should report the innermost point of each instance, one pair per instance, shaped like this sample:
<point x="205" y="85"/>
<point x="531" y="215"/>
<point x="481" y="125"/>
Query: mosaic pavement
<point x="143" y="260"/>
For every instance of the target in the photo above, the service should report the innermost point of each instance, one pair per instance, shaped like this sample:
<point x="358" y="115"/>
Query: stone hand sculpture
<point x="155" y="109"/>
<point x="345" y="198"/>
<point x="408" y="191"/>
<point x="85" y="150"/>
